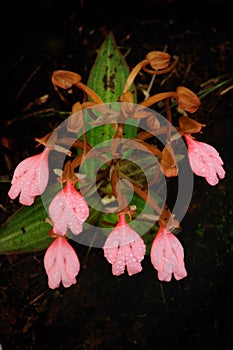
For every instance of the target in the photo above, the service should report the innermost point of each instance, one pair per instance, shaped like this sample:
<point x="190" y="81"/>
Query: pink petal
<point x="77" y="202"/>
<point x="38" y="186"/>
<point x="126" y="258"/>
<point x="133" y="263"/>
<point x="111" y="246"/>
<point x="61" y="263"/>
<point x="167" y="256"/>
<point x="30" y="178"/>
<point x="62" y="216"/>
<point x="68" y="210"/>
<point x="118" y="266"/>
<point x="211" y="151"/>
<point x="138" y="246"/>
<point x="217" y="173"/>
<point x="71" y="266"/>
<point x="124" y="248"/>
<point x="205" y="161"/>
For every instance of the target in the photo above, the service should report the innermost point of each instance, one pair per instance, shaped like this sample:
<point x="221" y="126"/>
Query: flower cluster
<point x="68" y="210"/>
<point x="124" y="248"/>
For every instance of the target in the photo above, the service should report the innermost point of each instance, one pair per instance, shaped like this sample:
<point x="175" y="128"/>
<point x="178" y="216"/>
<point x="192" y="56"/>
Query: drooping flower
<point x="68" y="210"/>
<point x="61" y="263"/>
<point x="30" y="178"/>
<point x="167" y="256"/>
<point x="124" y="248"/>
<point x="205" y="160"/>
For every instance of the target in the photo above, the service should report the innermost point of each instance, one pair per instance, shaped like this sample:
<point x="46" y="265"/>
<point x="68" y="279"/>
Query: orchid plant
<point x="118" y="153"/>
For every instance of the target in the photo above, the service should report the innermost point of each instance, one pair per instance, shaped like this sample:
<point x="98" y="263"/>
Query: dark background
<point x="103" y="312"/>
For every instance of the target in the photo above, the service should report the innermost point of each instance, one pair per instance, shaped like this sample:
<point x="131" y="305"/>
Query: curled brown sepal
<point x="168" y="162"/>
<point x="187" y="99"/>
<point x="158" y="59"/>
<point x="66" y="79"/>
<point x="189" y="125"/>
<point x="159" y="62"/>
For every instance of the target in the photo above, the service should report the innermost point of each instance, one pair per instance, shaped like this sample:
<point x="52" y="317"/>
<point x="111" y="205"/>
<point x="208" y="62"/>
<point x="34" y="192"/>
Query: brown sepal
<point x="187" y="99"/>
<point x="168" y="162"/>
<point x="189" y="125"/>
<point x="65" y="79"/>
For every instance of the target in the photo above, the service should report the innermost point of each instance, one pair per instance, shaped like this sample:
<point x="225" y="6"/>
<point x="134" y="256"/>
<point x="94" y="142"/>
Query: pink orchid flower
<point x="61" y="263"/>
<point x="205" y="160"/>
<point x="30" y="178"/>
<point x="167" y="256"/>
<point x="68" y="210"/>
<point x="124" y="248"/>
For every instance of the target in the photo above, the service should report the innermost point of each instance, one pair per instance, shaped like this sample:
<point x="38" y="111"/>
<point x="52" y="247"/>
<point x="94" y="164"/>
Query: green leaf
<point x="109" y="72"/>
<point x="26" y="230"/>
<point x="107" y="78"/>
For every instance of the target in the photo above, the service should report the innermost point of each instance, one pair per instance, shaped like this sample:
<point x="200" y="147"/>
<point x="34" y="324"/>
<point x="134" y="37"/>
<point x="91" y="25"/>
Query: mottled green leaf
<point x="26" y="230"/>
<point x="109" y="72"/>
<point x="107" y="78"/>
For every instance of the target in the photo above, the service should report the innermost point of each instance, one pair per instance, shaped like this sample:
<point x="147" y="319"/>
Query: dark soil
<point x="103" y="312"/>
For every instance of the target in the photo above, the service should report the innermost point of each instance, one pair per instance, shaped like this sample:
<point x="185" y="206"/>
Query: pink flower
<point x="124" y="248"/>
<point x="205" y="160"/>
<point x="30" y="178"/>
<point x="167" y="256"/>
<point x="68" y="210"/>
<point x="61" y="263"/>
